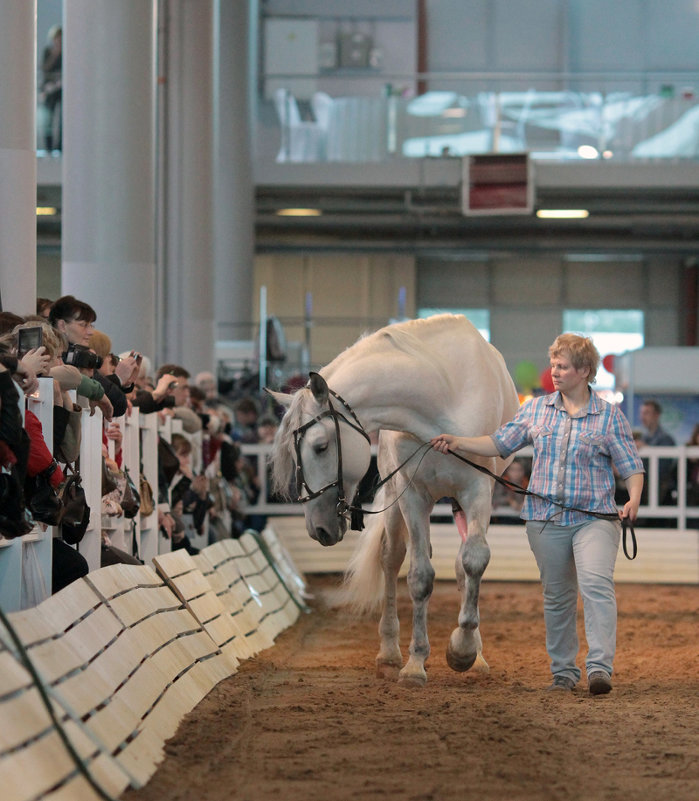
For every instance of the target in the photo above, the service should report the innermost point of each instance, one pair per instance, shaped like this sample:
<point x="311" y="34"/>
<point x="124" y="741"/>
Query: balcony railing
<point x="557" y="117"/>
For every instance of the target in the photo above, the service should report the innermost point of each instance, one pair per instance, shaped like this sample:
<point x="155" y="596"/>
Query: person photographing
<point x="576" y="438"/>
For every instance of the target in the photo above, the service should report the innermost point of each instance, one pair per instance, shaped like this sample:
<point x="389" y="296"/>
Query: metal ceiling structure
<point x="639" y="220"/>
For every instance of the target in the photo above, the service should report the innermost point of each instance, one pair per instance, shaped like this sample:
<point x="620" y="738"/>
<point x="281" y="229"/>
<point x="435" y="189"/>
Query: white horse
<point x="409" y="381"/>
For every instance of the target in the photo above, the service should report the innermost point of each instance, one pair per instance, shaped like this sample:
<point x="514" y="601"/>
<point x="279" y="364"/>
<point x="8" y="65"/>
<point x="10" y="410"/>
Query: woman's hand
<point x="444" y="442"/>
<point x="127" y="369"/>
<point x="36" y="360"/>
<point x="113" y="431"/>
<point x="200" y="485"/>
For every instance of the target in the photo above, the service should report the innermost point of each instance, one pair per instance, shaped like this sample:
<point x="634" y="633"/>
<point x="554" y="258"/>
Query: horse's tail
<point x="364" y="584"/>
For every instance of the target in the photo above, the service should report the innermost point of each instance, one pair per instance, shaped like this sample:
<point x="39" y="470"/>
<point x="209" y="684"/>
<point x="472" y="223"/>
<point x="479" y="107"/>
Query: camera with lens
<point x="81" y="356"/>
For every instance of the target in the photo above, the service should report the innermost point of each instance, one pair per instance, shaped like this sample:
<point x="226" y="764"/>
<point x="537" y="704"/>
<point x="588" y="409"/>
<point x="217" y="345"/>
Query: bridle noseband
<point x="304" y="492"/>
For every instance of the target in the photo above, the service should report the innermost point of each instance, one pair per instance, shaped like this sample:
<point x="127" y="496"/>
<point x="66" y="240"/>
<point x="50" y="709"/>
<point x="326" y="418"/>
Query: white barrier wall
<point x="122" y="655"/>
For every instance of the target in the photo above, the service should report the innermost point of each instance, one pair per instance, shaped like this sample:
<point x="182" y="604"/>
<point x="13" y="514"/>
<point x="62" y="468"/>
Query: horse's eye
<point x="320" y="447"/>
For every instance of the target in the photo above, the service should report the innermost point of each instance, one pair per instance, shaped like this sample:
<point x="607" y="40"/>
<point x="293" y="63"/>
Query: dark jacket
<point x="113" y="392"/>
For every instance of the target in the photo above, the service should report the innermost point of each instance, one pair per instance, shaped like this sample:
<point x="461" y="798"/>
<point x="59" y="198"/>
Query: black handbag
<point x="76" y="512"/>
<point x="130" y="499"/>
<point x="42" y="498"/>
<point x="167" y="459"/>
<point x="14" y="517"/>
<point x="109" y="479"/>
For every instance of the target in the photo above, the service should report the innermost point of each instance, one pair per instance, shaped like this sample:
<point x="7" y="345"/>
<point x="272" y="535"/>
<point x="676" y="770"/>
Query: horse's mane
<point x="413" y="337"/>
<point x="283" y="448"/>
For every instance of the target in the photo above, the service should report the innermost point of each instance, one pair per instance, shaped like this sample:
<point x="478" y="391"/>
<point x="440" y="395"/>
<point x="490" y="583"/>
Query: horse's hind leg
<point x="389" y="659"/>
<point x="474" y="554"/>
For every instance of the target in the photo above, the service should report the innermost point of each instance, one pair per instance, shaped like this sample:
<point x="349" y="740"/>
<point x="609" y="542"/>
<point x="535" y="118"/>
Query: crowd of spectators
<point x="61" y="341"/>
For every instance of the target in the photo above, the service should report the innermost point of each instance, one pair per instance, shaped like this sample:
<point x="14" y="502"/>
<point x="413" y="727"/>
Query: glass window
<point x="613" y="331"/>
<point x="479" y="317"/>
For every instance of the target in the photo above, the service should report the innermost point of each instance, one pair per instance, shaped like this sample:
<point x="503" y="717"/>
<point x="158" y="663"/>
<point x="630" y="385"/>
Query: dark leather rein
<point x="355" y="507"/>
<point x="626" y="524"/>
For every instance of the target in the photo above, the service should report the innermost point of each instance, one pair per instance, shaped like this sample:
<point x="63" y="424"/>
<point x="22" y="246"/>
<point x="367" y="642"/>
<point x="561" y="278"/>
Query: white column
<point x="234" y="190"/>
<point x="188" y="272"/>
<point x="18" y="156"/>
<point x="108" y="166"/>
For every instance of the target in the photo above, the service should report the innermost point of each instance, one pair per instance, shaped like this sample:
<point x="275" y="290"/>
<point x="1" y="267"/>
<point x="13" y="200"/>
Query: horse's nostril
<point x="323" y="536"/>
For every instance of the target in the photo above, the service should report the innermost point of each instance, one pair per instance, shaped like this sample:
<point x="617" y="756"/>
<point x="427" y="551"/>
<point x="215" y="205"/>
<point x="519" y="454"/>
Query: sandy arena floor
<point x="308" y="721"/>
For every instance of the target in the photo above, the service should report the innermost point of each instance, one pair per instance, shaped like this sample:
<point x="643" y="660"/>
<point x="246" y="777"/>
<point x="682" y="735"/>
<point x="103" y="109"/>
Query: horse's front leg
<point x="420" y="585"/>
<point x="389" y="659"/>
<point x="465" y="645"/>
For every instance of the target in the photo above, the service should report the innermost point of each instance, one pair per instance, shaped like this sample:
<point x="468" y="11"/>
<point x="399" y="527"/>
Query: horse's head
<point x="329" y="452"/>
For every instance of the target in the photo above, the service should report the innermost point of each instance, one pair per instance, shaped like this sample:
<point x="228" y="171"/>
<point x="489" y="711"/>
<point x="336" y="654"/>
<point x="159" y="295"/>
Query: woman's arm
<point x="634" y="485"/>
<point x="481" y="446"/>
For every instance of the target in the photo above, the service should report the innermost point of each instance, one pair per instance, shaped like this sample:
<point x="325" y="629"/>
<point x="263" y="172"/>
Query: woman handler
<point x="576" y="437"/>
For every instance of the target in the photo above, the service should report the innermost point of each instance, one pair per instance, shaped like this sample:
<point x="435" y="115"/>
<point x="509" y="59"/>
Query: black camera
<point x="81" y="356"/>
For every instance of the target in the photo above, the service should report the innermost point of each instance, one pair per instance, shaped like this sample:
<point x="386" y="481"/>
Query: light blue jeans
<point x="571" y="557"/>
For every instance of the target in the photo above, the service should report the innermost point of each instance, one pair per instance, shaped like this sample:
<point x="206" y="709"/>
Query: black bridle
<point x="304" y="492"/>
<point x="355" y="510"/>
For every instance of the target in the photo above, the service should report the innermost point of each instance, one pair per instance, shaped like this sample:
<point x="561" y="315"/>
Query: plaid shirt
<point x="573" y="456"/>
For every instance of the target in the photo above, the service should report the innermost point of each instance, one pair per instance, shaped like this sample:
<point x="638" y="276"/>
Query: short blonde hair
<point x="100" y="343"/>
<point x="580" y="350"/>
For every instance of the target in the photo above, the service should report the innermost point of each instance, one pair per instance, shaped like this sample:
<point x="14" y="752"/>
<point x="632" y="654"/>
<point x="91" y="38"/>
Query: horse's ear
<point x="319" y="387"/>
<point x="282" y="398"/>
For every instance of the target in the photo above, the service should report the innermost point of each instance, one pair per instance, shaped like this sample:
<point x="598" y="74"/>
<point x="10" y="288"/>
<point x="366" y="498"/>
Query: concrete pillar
<point x="108" y="166"/>
<point x="234" y="191"/>
<point x="187" y="261"/>
<point x="18" y="156"/>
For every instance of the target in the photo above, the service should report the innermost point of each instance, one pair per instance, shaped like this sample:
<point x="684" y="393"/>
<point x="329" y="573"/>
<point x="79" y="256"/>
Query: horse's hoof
<point x="412" y="681"/>
<point x="460" y="662"/>
<point x="386" y="670"/>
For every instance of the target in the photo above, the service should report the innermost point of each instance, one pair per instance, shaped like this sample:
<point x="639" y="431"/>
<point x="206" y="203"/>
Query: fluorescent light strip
<point x="45" y="211"/>
<point x="562" y="214"/>
<point x="299" y="212"/>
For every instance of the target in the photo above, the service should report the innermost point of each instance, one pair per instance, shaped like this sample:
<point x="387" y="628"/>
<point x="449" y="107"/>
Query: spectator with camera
<point x="178" y="388"/>
<point x="246" y="411"/>
<point x="66" y="414"/>
<point x="37" y="347"/>
<point x="74" y="319"/>
<point x="154" y="399"/>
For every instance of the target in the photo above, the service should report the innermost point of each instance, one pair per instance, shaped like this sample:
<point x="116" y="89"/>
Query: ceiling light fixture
<point x="45" y="211"/>
<point x="299" y="212"/>
<point x="588" y="152"/>
<point x="562" y="214"/>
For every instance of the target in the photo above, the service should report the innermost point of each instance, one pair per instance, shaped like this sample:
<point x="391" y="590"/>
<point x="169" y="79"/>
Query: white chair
<point x="321" y="105"/>
<point x="301" y="140"/>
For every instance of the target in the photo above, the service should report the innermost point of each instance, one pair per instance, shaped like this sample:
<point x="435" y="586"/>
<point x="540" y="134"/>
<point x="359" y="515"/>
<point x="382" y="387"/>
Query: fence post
<point x="147" y="531"/>
<point x="90" y="465"/>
